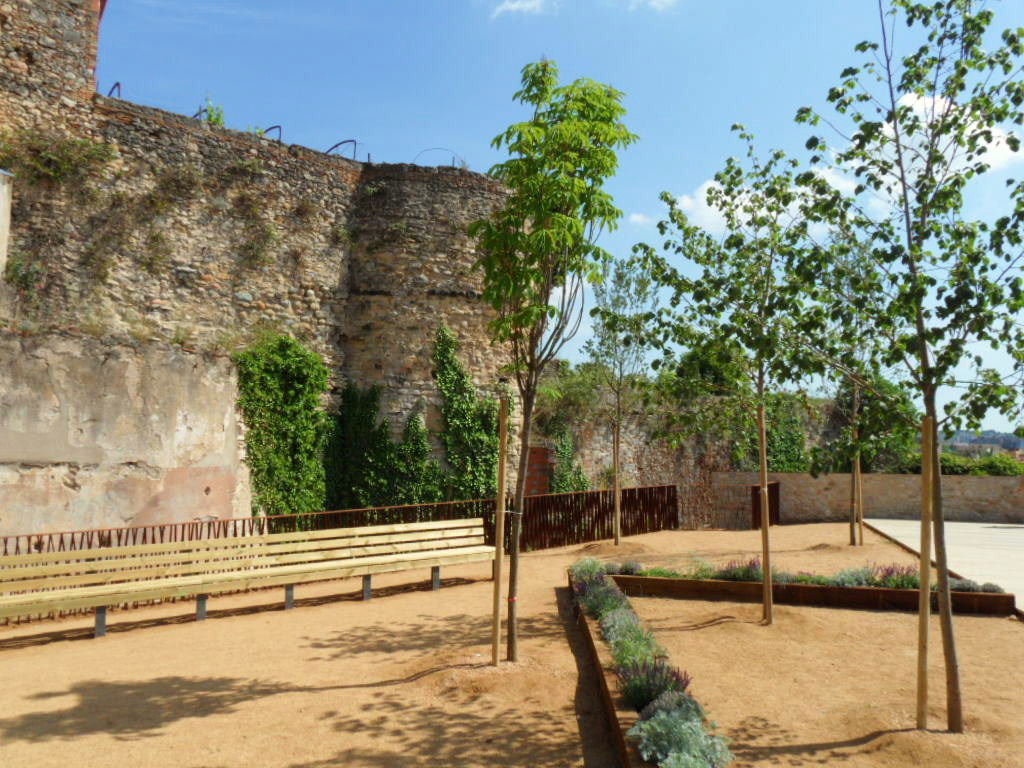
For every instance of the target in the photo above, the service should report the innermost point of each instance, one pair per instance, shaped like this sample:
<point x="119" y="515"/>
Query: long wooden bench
<point x="44" y="582"/>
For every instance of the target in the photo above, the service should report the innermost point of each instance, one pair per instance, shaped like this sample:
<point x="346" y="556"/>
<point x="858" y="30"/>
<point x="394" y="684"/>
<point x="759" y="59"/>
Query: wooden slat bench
<point x="44" y="582"/>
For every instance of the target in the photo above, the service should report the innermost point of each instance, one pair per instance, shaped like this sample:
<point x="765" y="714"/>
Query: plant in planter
<point x="676" y="742"/>
<point x="680" y="702"/>
<point x="643" y="682"/>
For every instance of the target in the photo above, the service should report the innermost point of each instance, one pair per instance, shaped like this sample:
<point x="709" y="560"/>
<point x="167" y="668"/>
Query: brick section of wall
<point x="538" y="471"/>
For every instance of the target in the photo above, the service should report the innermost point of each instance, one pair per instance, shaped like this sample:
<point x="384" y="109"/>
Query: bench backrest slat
<point x="229" y="548"/>
<point x="371" y="531"/>
<point x="109" y="572"/>
<point x="101" y="566"/>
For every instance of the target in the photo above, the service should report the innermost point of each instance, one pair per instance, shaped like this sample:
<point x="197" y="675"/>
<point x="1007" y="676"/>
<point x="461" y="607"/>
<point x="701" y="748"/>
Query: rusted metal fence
<point x="561" y="519"/>
<point x="550" y="520"/>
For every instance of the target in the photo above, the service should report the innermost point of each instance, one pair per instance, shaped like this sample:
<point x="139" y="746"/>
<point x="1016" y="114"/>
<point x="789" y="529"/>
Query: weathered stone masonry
<point x="193" y="237"/>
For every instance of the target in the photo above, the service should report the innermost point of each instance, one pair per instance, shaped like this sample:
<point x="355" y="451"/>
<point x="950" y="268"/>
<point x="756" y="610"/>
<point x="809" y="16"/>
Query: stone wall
<point x="646" y="460"/>
<point x="95" y="434"/>
<point x="806" y="499"/>
<point x="6" y="186"/>
<point x="201" y="236"/>
<point x="198" y="237"/>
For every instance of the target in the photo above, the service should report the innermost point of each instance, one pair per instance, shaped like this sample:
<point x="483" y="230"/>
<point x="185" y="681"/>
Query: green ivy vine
<point x="365" y="468"/>
<point x="280" y="386"/>
<point x="786" y="416"/>
<point x="303" y="459"/>
<point x="568" y="476"/>
<point x="470" y="424"/>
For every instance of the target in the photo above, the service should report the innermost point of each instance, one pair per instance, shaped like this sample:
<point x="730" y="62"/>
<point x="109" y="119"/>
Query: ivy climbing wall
<point x="135" y="227"/>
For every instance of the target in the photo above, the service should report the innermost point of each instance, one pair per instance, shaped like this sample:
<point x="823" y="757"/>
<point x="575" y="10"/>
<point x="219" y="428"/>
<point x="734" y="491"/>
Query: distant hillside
<point x="1007" y="440"/>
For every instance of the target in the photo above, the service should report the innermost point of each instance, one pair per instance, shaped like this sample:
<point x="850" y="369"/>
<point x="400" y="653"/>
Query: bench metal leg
<point x="289" y="597"/>
<point x="435" y="577"/>
<point x="200" y="607"/>
<point x="101" y="622"/>
<point x="367" y="588"/>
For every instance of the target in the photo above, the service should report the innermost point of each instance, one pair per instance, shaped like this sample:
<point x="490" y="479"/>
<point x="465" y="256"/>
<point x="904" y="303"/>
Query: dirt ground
<point x="403" y="680"/>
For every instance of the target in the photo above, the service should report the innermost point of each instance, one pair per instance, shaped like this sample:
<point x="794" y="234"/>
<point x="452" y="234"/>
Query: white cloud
<point x="998" y="155"/>
<point x="654" y="5"/>
<point x="520" y="6"/>
<point x="640" y="218"/>
<point x="698" y="211"/>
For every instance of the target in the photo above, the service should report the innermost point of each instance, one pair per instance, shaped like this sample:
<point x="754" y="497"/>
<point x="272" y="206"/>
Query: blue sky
<point x="403" y="76"/>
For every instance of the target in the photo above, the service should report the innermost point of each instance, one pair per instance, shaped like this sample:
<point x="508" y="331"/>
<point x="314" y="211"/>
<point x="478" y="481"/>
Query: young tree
<point x="540" y="248"/>
<point x="738" y="297"/>
<point x="623" y="300"/>
<point x="874" y="426"/>
<point x="914" y="131"/>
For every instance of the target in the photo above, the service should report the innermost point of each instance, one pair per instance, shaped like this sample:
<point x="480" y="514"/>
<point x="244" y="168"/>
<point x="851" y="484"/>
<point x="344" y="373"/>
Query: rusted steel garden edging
<point x="869" y="598"/>
<point x="1017" y="612"/>
<point x="620" y="716"/>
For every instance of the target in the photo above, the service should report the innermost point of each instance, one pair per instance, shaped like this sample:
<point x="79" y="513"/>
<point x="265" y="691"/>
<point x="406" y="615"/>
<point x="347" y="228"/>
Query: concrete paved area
<point x="980" y="551"/>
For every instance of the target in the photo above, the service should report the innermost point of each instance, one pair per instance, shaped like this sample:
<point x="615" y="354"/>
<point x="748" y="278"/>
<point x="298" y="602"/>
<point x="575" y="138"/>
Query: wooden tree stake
<point x="617" y="484"/>
<point x="860" y="503"/>
<point x="766" y="564"/>
<point x="499" y="526"/>
<point x="925" y="598"/>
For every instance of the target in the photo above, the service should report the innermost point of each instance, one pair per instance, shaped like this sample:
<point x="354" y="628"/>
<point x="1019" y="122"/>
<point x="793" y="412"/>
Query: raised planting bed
<point x="620" y="716"/>
<point x="655" y="722"/>
<point x="867" y="598"/>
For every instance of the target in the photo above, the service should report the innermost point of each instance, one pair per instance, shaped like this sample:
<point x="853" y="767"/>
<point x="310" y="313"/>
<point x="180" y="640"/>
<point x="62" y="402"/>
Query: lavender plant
<point x="643" y="682"/>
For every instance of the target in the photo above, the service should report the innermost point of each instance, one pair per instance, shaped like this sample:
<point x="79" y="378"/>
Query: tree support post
<point x="766" y="564"/>
<point x="499" y="527"/>
<point x="925" y="596"/>
<point x="617" y="485"/>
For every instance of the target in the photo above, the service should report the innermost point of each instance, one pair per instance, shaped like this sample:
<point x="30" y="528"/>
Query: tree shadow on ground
<point x="424" y="634"/>
<point x="137" y="710"/>
<point x="86" y="633"/>
<point x="422" y="733"/>
<point x="757" y="739"/>
<point x="133" y="710"/>
<point x="590" y="715"/>
<point x="670" y="625"/>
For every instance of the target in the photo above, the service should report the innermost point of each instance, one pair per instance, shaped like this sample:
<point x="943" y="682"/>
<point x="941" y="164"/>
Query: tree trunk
<point x="766" y="564"/>
<point x="517" y="523"/>
<point x="954" y="704"/>
<point x="924" y="597"/>
<point x="616" y="483"/>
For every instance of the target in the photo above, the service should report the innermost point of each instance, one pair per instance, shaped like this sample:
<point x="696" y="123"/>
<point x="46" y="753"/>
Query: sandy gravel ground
<point x="403" y="680"/>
